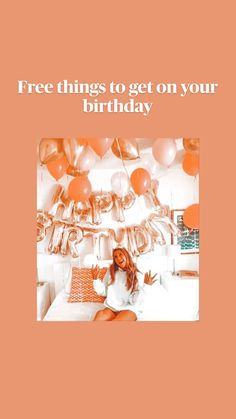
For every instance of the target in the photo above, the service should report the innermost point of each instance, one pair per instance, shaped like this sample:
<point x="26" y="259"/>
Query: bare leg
<point x="125" y="315"/>
<point x="104" y="315"/>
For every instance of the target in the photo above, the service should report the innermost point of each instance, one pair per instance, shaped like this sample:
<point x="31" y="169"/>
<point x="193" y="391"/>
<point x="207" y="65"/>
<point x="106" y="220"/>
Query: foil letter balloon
<point x="56" y="202"/>
<point x="56" y="238"/>
<point x="75" y="237"/>
<point x="44" y="221"/>
<point x="152" y="193"/>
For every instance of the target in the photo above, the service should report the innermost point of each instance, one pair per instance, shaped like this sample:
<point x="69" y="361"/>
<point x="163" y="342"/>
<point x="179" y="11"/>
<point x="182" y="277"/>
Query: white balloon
<point x="120" y="184"/>
<point x="149" y="163"/>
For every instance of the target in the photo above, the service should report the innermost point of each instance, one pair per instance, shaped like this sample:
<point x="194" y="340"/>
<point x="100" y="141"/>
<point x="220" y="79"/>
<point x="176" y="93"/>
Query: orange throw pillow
<point x="82" y="290"/>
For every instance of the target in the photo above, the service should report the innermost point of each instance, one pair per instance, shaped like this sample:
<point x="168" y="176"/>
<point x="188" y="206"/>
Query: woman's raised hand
<point x="95" y="271"/>
<point x="149" y="279"/>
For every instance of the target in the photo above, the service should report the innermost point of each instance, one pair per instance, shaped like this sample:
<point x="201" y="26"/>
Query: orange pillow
<point x="82" y="290"/>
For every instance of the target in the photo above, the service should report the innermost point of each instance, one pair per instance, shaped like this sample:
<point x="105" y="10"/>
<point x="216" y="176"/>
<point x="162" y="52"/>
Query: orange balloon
<point x="191" y="164"/>
<point x="100" y="145"/>
<point x="57" y="168"/>
<point x="140" y="180"/>
<point x="191" y="216"/>
<point x="80" y="189"/>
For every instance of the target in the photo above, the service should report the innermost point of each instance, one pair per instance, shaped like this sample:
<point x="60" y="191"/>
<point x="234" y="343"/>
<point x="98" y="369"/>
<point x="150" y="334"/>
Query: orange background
<point x="171" y="370"/>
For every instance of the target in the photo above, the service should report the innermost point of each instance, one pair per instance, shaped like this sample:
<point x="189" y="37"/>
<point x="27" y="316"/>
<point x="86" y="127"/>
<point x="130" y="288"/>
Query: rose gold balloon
<point x="125" y="149"/>
<point x="95" y="209"/>
<point x="155" y="232"/>
<point x="143" y="240"/>
<point x="73" y="150"/>
<point x="164" y="151"/>
<point x="119" y="208"/>
<point x="57" y="201"/>
<point x="191" y="144"/>
<point x="41" y="232"/>
<point x="106" y="202"/>
<point x="49" y="149"/>
<point x="75" y="237"/>
<point x="44" y="221"/>
<point x="128" y="200"/>
<point x="72" y="235"/>
<point x="152" y="193"/>
<point x="81" y="212"/>
<point x="68" y="209"/>
<point x="56" y="238"/>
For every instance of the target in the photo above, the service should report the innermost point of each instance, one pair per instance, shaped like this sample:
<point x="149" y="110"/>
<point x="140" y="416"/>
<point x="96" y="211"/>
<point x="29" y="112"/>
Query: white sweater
<point x="118" y="296"/>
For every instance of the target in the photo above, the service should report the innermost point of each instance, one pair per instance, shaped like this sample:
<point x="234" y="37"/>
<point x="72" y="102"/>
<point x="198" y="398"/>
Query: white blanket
<point x="160" y="304"/>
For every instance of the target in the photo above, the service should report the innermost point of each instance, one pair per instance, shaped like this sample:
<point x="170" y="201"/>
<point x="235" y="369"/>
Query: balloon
<point x="56" y="238"/>
<point x="86" y="160"/>
<point x="72" y="235"/>
<point x="191" y="145"/>
<point x="44" y="221"/>
<point x="191" y="164"/>
<point x="164" y="151"/>
<point x="96" y="237"/>
<point x="81" y="212"/>
<point x="95" y="209"/>
<point x="149" y="163"/>
<point x="79" y="189"/>
<point x="73" y="149"/>
<point x="120" y="184"/>
<point x="49" y="149"/>
<point x="128" y="200"/>
<point x="139" y="240"/>
<point x="100" y="202"/>
<point x="105" y="201"/>
<point x="119" y="208"/>
<point x="100" y="145"/>
<point x="79" y="155"/>
<point x="155" y="231"/>
<point x="140" y="181"/>
<point x="68" y="210"/>
<point x="125" y="149"/>
<point x="75" y="237"/>
<point x="191" y="216"/>
<point x="152" y="193"/>
<point x="56" y="200"/>
<point x="57" y="168"/>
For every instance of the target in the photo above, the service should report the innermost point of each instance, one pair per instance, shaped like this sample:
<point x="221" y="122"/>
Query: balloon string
<point x="121" y="157"/>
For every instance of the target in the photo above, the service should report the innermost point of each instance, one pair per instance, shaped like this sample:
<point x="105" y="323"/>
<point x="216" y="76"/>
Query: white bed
<point x="175" y="300"/>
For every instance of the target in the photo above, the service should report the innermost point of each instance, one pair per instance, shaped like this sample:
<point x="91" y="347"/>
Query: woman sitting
<point x="121" y="287"/>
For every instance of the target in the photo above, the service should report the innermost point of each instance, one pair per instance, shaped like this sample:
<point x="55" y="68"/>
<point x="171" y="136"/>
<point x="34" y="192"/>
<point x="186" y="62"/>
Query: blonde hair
<point x="131" y="269"/>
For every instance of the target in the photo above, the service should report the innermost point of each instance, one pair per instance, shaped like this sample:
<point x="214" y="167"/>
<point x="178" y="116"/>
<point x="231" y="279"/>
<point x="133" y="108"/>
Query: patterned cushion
<point x="82" y="286"/>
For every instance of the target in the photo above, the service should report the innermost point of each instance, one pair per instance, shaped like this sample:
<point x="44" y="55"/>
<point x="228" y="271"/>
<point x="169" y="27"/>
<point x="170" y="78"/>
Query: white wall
<point x="176" y="189"/>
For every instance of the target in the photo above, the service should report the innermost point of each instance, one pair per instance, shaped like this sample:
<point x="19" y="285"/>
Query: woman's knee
<point x="126" y="315"/>
<point x="104" y="315"/>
